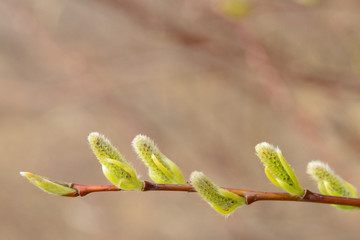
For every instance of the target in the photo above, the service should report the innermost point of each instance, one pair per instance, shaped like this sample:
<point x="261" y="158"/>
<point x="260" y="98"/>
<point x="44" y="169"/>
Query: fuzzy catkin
<point x="145" y="148"/>
<point x="321" y="172"/>
<point x="161" y="169"/>
<point x="115" y="168"/>
<point x="223" y="201"/>
<point x="103" y="148"/>
<point x="269" y="157"/>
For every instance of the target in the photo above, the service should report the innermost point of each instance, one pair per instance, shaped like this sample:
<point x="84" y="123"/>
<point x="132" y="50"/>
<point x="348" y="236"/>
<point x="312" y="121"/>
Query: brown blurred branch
<point x="334" y="83"/>
<point x="250" y="196"/>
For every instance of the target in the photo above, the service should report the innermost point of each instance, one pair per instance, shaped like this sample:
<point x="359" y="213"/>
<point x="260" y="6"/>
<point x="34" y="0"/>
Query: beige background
<point x="207" y="89"/>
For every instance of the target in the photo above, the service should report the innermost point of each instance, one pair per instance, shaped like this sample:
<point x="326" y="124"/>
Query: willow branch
<point x="250" y="196"/>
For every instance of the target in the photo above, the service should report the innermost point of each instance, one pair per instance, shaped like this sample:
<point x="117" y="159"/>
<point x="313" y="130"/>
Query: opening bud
<point x="121" y="175"/>
<point x="221" y="200"/>
<point x="161" y="169"/>
<point x="331" y="184"/>
<point x="115" y="168"/>
<point x="277" y="169"/>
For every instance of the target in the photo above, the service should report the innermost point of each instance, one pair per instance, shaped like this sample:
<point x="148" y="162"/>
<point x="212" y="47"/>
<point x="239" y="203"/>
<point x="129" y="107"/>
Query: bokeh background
<point x="206" y="81"/>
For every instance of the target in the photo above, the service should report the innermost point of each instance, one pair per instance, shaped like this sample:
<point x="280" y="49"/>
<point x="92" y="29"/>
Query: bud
<point x="49" y="186"/>
<point x="277" y="169"/>
<point x="115" y="168"/>
<point x="161" y="169"/>
<point x="221" y="200"/>
<point x="331" y="184"/>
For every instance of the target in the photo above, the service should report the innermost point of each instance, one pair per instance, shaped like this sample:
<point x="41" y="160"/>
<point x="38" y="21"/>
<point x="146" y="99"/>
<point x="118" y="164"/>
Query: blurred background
<point x="207" y="80"/>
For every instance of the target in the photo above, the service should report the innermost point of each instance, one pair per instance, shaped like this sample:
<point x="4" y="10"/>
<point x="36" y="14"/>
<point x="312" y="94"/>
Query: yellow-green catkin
<point x="221" y="200"/>
<point x="115" y="168"/>
<point x="330" y="183"/>
<point x="103" y="148"/>
<point x="161" y="169"/>
<point x="277" y="169"/>
<point x="49" y="186"/>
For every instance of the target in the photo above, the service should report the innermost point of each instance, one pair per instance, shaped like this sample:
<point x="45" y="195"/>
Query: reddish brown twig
<point x="251" y="196"/>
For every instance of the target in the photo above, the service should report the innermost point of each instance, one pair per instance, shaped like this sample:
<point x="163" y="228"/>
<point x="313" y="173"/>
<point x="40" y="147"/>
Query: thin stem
<point x="251" y="196"/>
